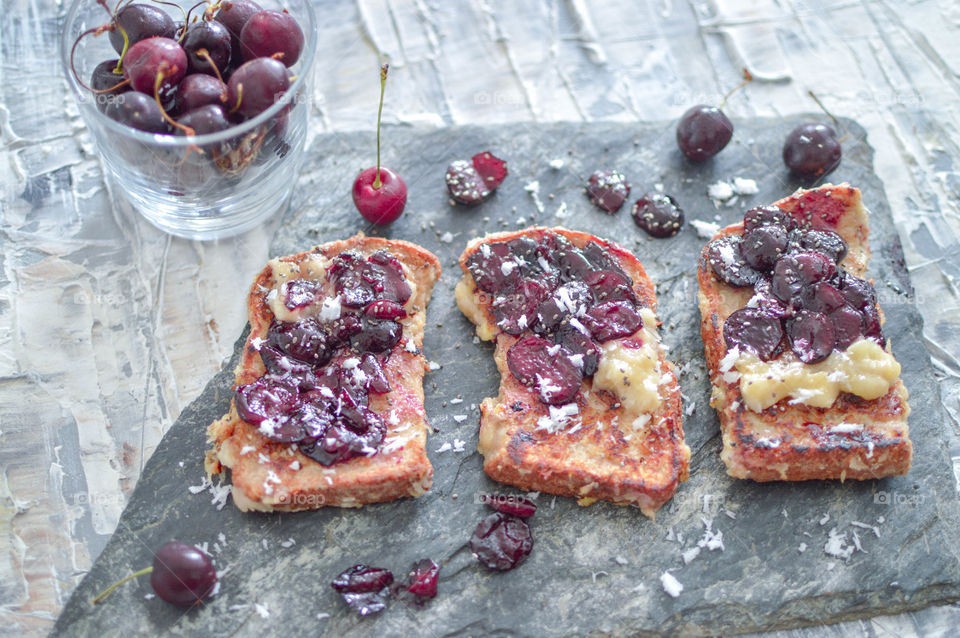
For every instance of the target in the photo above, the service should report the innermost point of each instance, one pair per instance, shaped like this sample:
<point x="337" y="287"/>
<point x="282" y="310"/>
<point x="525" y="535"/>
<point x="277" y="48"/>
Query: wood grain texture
<point x="108" y="328"/>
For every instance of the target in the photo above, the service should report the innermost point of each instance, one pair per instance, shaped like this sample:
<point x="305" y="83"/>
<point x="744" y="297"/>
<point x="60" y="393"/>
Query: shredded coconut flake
<point x="459" y="418"/>
<point x="330" y="310"/>
<point x="705" y="230"/>
<point x="262" y="610"/>
<point x="670" y="584"/>
<point x="720" y="191"/>
<point x="744" y="186"/>
<point x="837" y="546"/>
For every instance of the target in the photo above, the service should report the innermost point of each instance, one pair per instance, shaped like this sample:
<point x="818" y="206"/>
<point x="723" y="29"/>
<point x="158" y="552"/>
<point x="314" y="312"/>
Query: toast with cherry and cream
<point x="803" y="379"/>
<point x="328" y="401"/>
<point x="588" y="405"/>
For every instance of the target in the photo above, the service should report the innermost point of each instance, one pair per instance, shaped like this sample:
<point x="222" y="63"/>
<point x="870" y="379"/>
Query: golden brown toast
<point x="790" y="440"/>
<point x="271" y="476"/>
<point x="604" y="452"/>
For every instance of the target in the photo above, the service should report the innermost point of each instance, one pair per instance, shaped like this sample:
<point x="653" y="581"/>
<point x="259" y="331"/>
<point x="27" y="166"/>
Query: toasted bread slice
<point x="272" y="476"/>
<point x="607" y="452"/>
<point x="854" y="438"/>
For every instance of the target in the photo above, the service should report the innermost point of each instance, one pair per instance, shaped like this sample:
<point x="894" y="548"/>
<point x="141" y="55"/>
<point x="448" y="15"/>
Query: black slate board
<point x="593" y="570"/>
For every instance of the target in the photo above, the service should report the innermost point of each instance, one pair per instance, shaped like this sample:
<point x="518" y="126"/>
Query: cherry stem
<point x="210" y="11"/>
<point x="186" y="20"/>
<point x="103" y="28"/>
<point x="109" y="590"/>
<point x="156" y="96"/>
<point x="112" y="88"/>
<point x="239" y="97"/>
<point x="747" y="79"/>
<point x="830" y="115"/>
<point x="383" y="84"/>
<point x="205" y="55"/>
<point x="123" y="52"/>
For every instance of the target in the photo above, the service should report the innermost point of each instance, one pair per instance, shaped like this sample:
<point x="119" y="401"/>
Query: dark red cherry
<point x="103" y="78"/>
<point x="609" y="285"/>
<point x="573" y="265"/>
<point x="608" y="190"/>
<point x="486" y="265"/>
<point x="376" y="378"/>
<point x="822" y="297"/>
<point x="509" y="504"/>
<point x="268" y="397"/>
<point x="754" y="331"/>
<point x="812" y="150"/>
<point x="515" y="306"/>
<point x="658" y="215"/>
<point x="767" y="216"/>
<point x="366" y="590"/>
<point x="207" y="39"/>
<point x="872" y="326"/>
<point x="768" y="302"/>
<point x="761" y="247"/>
<point x="340" y="330"/>
<point x="612" y="320"/>
<point x="141" y="21"/>
<point x="200" y="89"/>
<point x="383" y="203"/>
<point x="812" y="336"/>
<point x="537" y="362"/>
<point x="492" y="169"/>
<point x="474" y="181"/>
<point x="848" y="324"/>
<point x="234" y="14"/>
<point x="377" y="335"/>
<point x="703" y="131"/>
<point x="385" y="309"/>
<point x="137" y="110"/>
<point x="393" y="284"/>
<point x="859" y="293"/>
<point x="568" y="300"/>
<point x="422" y="580"/>
<point x="152" y="58"/>
<point x="204" y="120"/>
<point x="272" y="34"/>
<point x="580" y="344"/>
<point x="600" y="258"/>
<point x="182" y="575"/>
<point x="305" y="340"/>
<point x="300" y="292"/>
<point x="501" y="542"/>
<point x="794" y="272"/>
<point x="825" y="242"/>
<point x="256" y="86"/>
<point x="728" y="264"/>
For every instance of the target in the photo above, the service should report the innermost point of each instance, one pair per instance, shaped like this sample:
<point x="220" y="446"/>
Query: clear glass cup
<point x="205" y="186"/>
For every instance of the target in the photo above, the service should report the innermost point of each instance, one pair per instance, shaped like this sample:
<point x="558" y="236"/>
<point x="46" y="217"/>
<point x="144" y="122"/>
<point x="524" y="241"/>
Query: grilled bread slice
<point x="791" y="440"/>
<point x="268" y="475"/>
<point x="612" y="441"/>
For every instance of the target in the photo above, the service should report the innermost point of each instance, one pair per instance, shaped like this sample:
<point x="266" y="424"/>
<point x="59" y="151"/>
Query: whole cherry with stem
<point x="703" y="131"/>
<point x="378" y="192"/>
<point x="181" y="574"/>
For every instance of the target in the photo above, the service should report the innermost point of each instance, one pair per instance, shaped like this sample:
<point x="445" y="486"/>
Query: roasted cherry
<point x="501" y="541"/>
<point x="608" y="190"/>
<point x="753" y="330"/>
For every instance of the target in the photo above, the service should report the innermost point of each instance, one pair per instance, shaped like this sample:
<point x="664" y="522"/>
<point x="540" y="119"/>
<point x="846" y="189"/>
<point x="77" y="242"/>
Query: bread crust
<point x="806" y="449"/>
<point x="263" y="471"/>
<point x="599" y="460"/>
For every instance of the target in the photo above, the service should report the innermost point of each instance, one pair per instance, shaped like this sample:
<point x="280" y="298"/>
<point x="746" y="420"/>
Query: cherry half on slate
<point x="378" y="192"/>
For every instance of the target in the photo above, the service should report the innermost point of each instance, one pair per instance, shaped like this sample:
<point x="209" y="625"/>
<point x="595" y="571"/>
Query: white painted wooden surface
<point x="108" y="328"/>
